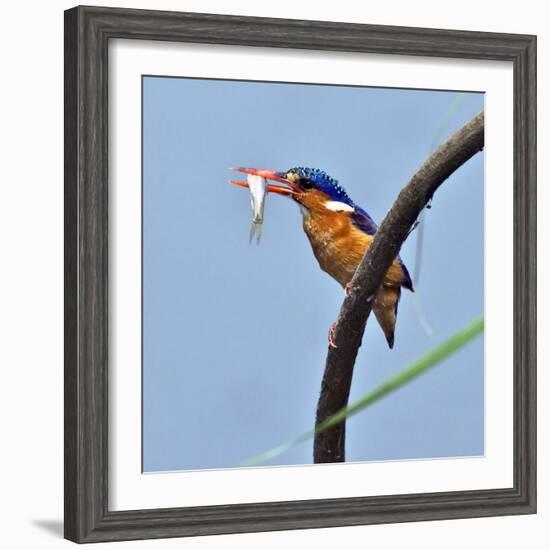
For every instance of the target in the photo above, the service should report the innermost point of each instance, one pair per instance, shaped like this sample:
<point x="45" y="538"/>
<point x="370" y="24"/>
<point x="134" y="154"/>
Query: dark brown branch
<point x="329" y="446"/>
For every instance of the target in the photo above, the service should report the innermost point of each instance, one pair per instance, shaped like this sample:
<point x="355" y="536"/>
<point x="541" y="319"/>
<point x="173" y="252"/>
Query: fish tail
<point x="255" y="233"/>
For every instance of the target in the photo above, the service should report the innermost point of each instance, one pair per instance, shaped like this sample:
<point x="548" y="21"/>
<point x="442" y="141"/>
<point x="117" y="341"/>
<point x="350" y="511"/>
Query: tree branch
<point x="329" y="446"/>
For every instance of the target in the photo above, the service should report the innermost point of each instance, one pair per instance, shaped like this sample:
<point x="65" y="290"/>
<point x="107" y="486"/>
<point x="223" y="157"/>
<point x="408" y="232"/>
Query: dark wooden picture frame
<point x="87" y="34"/>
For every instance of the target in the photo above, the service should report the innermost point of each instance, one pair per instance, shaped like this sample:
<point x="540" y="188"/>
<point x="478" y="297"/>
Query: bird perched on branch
<point x="339" y="232"/>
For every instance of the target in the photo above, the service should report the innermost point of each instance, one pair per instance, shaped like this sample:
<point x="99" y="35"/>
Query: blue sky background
<point x="235" y="334"/>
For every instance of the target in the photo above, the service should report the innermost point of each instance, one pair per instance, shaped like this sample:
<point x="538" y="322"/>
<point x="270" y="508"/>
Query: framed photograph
<point x="300" y="274"/>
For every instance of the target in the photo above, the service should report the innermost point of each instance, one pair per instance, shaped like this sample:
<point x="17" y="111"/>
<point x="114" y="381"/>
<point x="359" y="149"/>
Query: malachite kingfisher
<point x="339" y="232"/>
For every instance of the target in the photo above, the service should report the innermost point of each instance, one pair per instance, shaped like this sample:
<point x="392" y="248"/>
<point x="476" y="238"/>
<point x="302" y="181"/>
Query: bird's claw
<point x="347" y="289"/>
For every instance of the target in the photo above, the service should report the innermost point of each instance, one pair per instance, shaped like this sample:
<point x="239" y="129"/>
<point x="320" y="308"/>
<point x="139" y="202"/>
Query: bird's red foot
<point x="331" y="330"/>
<point x="347" y="289"/>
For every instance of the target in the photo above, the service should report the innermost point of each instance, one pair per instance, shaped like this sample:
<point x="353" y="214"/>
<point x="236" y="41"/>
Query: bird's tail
<point x="385" y="309"/>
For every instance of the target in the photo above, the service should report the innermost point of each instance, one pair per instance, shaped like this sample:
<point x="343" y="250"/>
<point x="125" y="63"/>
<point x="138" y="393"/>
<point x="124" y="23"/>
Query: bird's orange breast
<point x="338" y="245"/>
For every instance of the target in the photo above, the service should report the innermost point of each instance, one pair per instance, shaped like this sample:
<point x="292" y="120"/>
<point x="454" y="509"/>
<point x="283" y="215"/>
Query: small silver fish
<point x="258" y="192"/>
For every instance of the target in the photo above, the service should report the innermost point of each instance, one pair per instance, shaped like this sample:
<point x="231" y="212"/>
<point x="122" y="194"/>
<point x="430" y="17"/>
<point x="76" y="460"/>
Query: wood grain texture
<point x="87" y="34"/>
<point x="71" y="429"/>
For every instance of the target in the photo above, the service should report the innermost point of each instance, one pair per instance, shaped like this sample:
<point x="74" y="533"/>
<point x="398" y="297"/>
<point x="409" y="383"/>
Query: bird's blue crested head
<point x="313" y="178"/>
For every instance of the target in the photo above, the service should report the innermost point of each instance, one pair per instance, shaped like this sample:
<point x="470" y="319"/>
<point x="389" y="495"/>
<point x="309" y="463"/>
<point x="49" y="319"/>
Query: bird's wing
<point x="361" y="219"/>
<point x="407" y="281"/>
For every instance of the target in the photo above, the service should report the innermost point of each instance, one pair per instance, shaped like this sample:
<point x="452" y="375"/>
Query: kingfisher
<point x="339" y="232"/>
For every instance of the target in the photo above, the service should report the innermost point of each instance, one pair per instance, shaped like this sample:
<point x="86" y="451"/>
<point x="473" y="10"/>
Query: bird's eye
<point x="305" y="183"/>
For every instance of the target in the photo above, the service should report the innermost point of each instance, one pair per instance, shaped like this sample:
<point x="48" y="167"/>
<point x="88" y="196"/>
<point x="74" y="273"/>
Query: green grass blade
<point x="422" y="365"/>
<point x="458" y="100"/>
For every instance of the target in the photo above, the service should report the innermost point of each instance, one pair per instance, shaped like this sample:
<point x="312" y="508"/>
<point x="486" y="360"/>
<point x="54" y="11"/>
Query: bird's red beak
<point x="287" y="191"/>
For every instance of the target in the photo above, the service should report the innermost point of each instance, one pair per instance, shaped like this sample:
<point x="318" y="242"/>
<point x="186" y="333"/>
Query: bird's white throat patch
<point x="337" y="206"/>
<point x="303" y="210"/>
